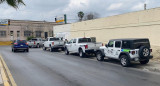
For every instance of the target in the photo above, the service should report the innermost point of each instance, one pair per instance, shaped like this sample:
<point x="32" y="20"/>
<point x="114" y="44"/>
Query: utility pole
<point x="145" y="6"/>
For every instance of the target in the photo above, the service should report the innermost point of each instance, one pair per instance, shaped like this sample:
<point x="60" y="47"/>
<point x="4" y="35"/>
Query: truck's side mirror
<point x="106" y="45"/>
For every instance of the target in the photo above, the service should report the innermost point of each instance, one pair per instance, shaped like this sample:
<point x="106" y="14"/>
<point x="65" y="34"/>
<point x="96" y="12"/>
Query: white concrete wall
<point x="62" y="31"/>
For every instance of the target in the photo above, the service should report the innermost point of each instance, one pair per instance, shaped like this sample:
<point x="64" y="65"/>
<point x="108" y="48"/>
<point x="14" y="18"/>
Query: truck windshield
<point x="54" y="39"/>
<point x="83" y="40"/>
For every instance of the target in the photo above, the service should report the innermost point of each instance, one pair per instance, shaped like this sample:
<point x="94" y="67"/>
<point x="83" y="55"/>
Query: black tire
<point x="125" y="61"/>
<point x="44" y="48"/>
<point x="62" y="49"/>
<point x="81" y="53"/>
<point x="144" y="61"/>
<point x="38" y="46"/>
<point x="14" y="50"/>
<point x="99" y="56"/>
<point x="144" y="52"/>
<point x="27" y="50"/>
<point x="51" y="49"/>
<point x="66" y="51"/>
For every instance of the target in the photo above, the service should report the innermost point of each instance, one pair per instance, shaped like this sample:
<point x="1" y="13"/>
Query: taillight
<point x="86" y="46"/>
<point x="133" y="52"/>
<point x="52" y="43"/>
<point x="150" y="50"/>
<point x="102" y="44"/>
<point x="15" y="43"/>
<point x="26" y="43"/>
<point x="34" y="42"/>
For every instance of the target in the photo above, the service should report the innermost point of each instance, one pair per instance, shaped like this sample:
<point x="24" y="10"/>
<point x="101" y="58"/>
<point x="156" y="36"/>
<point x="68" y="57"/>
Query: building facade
<point x="21" y="29"/>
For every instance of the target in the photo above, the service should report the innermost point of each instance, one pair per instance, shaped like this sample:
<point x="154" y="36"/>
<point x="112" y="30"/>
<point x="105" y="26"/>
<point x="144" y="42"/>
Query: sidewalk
<point x="6" y="78"/>
<point x="152" y="66"/>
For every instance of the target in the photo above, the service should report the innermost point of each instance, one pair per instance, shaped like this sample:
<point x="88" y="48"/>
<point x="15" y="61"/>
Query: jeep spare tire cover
<point x="144" y="52"/>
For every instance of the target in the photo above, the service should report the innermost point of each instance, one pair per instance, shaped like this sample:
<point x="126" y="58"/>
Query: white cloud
<point x="139" y="6"/>
<point x="115" y="6"/>
<point x="76" y="4"/>
<point x="40" y="10"/>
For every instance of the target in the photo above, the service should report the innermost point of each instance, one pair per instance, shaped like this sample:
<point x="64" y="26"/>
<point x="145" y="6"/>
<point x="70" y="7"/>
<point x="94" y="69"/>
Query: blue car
<point x="20" y="45"/>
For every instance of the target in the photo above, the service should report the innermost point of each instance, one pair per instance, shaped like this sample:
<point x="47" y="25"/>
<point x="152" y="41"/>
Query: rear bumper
<point x="90" y="51"/>
<point x="58" y="46"/>
<point x="139" y="59"/>
<point x="20" y="48"/>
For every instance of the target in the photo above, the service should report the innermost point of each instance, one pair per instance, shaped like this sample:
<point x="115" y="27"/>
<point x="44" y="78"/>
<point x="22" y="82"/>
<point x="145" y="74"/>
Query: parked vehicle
<point x="36" y="42"/>
<point x="53" y="43"/>
<point x="126" y="50"/>
<point x="82" y="46"/>
<point x="20" y="45"/>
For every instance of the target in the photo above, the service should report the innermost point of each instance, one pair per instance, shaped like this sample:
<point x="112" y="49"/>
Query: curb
<point x="5" y="43"/>
<point x="6" y="74"/>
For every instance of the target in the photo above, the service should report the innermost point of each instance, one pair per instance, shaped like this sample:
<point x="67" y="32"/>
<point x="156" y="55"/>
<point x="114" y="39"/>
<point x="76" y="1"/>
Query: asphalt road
<point x="43" y="68"/>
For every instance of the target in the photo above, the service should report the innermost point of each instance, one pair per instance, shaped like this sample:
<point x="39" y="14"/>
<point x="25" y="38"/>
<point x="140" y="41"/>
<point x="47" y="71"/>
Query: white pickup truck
<point x="35" y="42"/>
<point x="82" y="46"/>
<point x="53" y="43"/>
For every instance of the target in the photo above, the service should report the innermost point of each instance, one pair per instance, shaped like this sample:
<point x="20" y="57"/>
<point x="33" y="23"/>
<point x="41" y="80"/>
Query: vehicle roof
<point x="54" y="37"/>
<point x="129" y="39"/>
<point x="81" y="37"/>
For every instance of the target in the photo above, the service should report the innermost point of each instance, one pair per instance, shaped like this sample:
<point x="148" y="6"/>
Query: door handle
<point x="111" y="49"/>
<point x="118" y="50"/>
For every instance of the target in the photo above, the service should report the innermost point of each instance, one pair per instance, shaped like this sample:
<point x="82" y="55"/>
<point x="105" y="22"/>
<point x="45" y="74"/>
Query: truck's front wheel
<point x="99" y="56"/>
<point x="66" y="51"/>
<point x="44" y="48"/>
<point x="81" y="53"/>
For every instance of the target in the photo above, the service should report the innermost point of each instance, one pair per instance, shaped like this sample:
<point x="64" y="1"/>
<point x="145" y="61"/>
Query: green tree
<point x="80" y="15"/>
<point x="13" y="3"/>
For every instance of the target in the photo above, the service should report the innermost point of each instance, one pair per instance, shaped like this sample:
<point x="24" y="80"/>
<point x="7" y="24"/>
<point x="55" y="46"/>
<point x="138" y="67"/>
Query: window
<point x="117" y="44"/>
<point x="27" y="33"/>
<point x="21" y="41"/>
<point x="74" y="41"/>
<point x="34" y="39"/>
<point x="70" y="41"/>
<point x="110" y="44"/>
<point x="126" y="44"/>
<point x="2" y="33"/>
<point x="83" y="40"/>
<point x="54" y="39"/>
<point x="38" y="33"/>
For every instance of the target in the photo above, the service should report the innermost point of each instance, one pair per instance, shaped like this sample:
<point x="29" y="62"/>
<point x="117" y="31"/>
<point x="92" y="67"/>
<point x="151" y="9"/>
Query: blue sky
<point x="39" y="10"/>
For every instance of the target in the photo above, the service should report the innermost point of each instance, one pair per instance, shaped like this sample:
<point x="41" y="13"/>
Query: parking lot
<point x="44" y="68"/>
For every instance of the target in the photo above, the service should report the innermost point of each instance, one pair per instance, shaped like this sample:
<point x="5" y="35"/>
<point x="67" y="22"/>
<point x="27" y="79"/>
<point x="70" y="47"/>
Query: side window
<point x="110" y="44"/>
<point x="74" y="41"/>
<point x="125" y="44"/>
<point x="118" y="44"/>
<point x="70" y="41"/>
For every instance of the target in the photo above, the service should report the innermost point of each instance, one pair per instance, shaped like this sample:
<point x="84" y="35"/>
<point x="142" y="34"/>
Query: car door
<point x="69" y="45"/>
<point x="74" y="46"/>
<point x="46" y="43"/>
<point x="117" y="49"/>
<point x="110" y="52"/>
